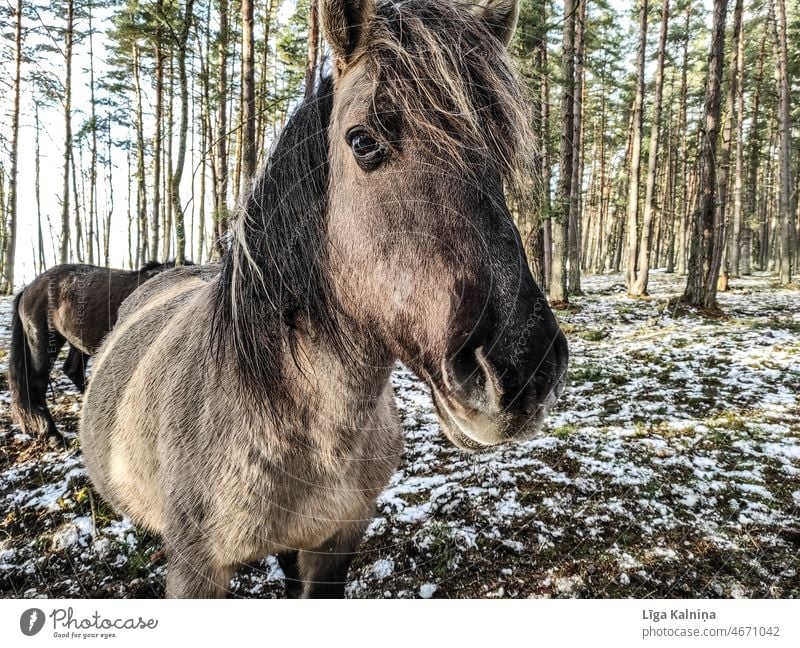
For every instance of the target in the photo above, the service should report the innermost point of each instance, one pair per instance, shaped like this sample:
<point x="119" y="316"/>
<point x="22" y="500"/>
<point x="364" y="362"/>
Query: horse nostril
<point x="551" y="377"/>
<point x="561" y="353"/>
<point x="470" y="377"/>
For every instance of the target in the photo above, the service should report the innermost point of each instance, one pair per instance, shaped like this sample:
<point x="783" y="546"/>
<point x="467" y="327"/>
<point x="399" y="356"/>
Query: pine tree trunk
<point x="632" y="213"/>
<point x="639" y="285"/>
<point x="221" y="161"/>
<point x="248" y="92"/>
<point x="785" y="216"/>
<point x="602" y="225"/>
<point x="41" y="261"/>
<point x="683" y="128"/>
<point x="110" y="211"/>
<point x="722" y="211"/>
<point x="78" y="227"/>
<point x="10" y="242"/>
<point x="557" y="287"/>
<point x="92" y="212"/>
<point x="141" y="183"/>
<point x="753" y="150"/>
<point x="312" y="57"/>
<point x="736" y="230"/>
<point x="532" y="219"/>
<point x="167" y="166"/>
<point x="158" y="130"/>
<point x="576" y="183"/>
<point x="544" y="94"/>
<point x="262" y="117"/>
<point x="129" y="211"/>
<point x="177" y="174"/>
<point x="205" y="130"/>
<point x="63" y="252"/>
<point x="701" y="283"/>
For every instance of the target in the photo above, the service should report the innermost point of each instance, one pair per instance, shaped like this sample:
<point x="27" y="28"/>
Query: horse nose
<point x="470" y="377"/>
<point x="550" y="374"/>
<point x="502" y="380"/>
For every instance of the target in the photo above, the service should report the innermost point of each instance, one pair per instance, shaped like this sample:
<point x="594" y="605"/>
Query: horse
<point x="74" y="303"/>
<point x="252" y="413"/>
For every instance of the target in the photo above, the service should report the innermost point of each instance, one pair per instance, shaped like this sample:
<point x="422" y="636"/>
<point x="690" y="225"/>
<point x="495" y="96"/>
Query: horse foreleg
<point x="288" y="561"/>
<point x="192" y="576"/>
<point x="324" y="570"/>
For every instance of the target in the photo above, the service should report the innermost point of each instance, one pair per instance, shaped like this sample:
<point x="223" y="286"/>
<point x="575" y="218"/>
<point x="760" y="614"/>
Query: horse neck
<point x="359" y="371"/>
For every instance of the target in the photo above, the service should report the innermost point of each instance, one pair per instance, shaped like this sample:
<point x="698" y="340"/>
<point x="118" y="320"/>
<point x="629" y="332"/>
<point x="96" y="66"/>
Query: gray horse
<point x="251" y="412"/>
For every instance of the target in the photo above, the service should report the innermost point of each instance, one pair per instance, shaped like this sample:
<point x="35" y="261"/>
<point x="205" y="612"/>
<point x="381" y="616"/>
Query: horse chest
<point x="300" y="495"/>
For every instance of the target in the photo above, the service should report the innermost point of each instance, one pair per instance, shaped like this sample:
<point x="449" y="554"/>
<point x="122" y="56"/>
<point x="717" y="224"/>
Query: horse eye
<point x="367" y="150"/>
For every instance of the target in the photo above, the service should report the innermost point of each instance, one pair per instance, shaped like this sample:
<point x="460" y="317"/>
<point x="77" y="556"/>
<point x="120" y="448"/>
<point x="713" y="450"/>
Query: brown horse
<point x="70" y="303"/>
<point x="252" y="413"/>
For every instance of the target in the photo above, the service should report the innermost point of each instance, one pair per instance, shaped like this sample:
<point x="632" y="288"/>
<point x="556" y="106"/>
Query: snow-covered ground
<point x="670" y="468"/>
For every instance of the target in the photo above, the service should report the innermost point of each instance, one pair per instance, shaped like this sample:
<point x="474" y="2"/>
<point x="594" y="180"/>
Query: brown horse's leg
<point x="75" y="367"/>
<point x="191" y="576"/>
<point x="28" y="372"/>
<point x="291" y="570"/>
<point x="324" y="570"/>
<point x="44" y="345"/>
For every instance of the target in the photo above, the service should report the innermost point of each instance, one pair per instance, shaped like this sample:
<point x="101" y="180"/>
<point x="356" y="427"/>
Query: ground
<point x="671" y="468"/>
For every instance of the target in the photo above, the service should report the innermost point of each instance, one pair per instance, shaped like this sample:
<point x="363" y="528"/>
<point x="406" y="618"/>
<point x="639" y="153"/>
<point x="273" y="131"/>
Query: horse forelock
<point x="437" y="65"/>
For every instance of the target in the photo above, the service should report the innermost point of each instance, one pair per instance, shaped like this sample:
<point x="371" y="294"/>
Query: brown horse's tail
<point x="28" y="391"/>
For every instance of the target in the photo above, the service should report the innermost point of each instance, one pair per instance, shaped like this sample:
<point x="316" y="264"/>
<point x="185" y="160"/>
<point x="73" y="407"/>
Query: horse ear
<point x="500" y="17"/>
<point x="343" y="25"/>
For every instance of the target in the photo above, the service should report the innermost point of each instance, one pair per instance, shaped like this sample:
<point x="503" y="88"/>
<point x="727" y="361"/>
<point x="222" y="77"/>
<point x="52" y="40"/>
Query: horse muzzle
<point x="481" y="404"/>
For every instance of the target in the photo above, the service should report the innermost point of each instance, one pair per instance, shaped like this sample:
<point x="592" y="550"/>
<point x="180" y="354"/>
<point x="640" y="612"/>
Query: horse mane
<point x="158" y="266"/>
<point x="275" y="267"/>
<point x="150" y="266"/>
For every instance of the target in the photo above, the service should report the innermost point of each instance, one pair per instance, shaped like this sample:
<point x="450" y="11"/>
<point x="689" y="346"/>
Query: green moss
<point x="594" y="335"/>
<point x="443" y="548"/>
<point x="563" y="431"/>
<point x="729" y="420"/>
<point x="586" y="373"/>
